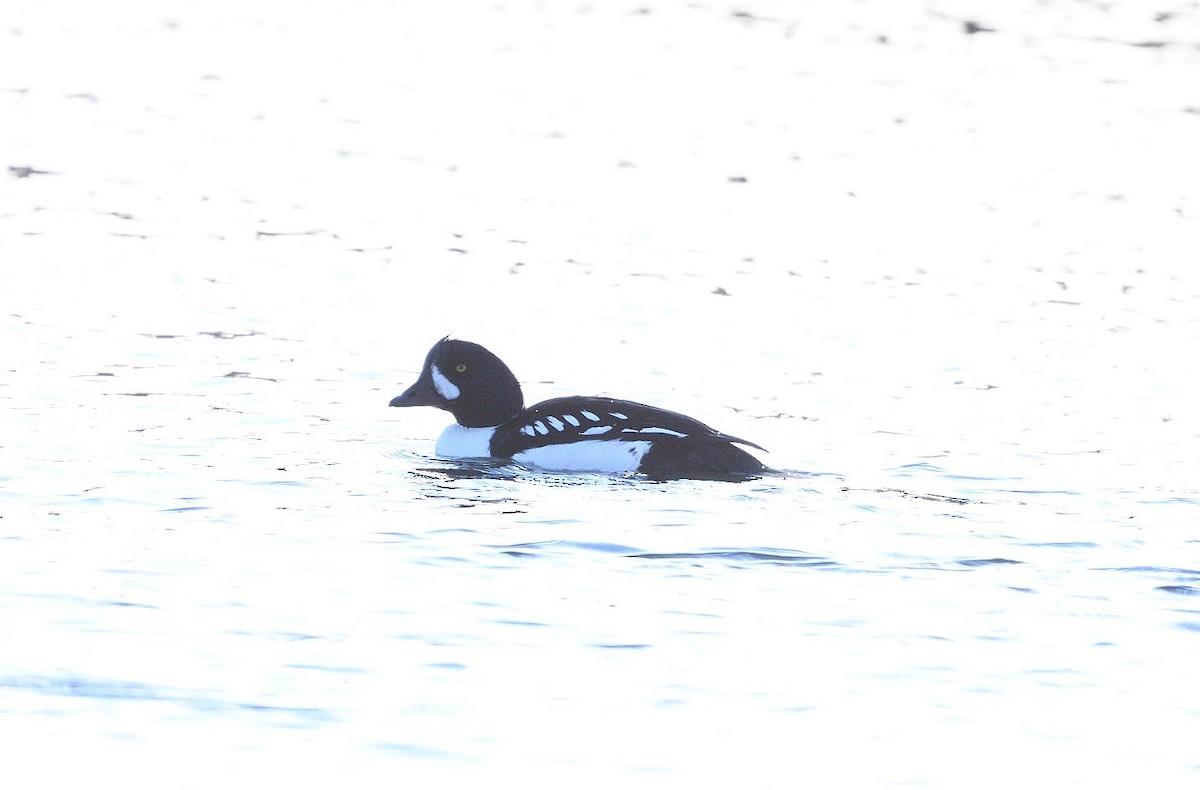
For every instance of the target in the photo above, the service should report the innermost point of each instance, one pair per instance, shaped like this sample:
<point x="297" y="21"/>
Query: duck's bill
<point x="420" y="394"/>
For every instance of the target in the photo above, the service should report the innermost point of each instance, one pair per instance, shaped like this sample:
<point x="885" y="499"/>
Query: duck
<point x="569" y="434"/>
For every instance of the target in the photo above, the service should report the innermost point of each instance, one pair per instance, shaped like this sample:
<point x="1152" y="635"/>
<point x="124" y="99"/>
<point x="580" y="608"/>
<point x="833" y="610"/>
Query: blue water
<point x="225" y="562"/>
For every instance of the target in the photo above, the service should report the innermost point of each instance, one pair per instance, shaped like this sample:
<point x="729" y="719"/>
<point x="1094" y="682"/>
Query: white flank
<point x="587" y="456"/>
<point x="443" y="385"/>
<point x="459" y="442"/>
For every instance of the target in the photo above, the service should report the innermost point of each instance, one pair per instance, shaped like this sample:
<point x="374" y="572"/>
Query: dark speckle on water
<point x="1179" y="589"/>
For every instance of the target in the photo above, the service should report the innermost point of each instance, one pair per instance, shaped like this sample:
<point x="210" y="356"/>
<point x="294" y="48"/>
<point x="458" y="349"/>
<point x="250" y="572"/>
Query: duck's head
<point x="468" y="381"/>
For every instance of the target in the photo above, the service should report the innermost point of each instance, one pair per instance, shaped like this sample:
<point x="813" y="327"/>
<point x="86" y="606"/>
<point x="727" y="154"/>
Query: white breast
<point x="589" y="455"/>
<point x="459" y="442"/>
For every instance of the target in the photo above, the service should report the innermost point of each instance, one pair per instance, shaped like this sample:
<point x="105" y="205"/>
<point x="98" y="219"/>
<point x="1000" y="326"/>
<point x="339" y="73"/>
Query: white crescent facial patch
<point x="443" y="385"/>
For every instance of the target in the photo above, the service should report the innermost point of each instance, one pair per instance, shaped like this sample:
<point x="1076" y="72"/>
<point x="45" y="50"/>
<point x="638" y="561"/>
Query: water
<point x="954" y="296"/>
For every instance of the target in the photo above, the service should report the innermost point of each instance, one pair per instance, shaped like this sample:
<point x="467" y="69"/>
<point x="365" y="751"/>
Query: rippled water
<point x="947" y="279"/>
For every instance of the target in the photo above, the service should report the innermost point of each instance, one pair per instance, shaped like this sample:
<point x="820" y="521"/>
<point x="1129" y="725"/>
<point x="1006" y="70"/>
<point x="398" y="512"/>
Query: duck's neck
<point x="504" y="402"/>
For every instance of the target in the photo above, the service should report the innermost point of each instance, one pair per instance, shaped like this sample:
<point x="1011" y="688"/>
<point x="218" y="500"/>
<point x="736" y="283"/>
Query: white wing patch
<point x="444" y="386"/>
<point x="560" y="423"/>
<point x="592" y="455"/>
<point x="654" y="429"/>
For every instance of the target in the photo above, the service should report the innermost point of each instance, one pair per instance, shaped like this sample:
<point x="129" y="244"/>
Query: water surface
<point x="945" y="278"/>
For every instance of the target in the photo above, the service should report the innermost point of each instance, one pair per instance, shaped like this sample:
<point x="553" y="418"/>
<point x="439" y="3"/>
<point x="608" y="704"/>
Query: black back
<point x="680" y="445"/>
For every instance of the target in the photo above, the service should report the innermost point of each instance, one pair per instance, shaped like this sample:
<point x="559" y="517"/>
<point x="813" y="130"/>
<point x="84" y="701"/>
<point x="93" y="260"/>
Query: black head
<point x="468" y="381"/>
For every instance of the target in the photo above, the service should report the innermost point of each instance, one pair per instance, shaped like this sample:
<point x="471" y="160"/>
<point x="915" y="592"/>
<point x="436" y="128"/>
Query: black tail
<point x="691" y="460"/>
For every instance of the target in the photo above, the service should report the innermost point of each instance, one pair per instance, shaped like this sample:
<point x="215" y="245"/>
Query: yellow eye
<point x="460" y="367"/>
